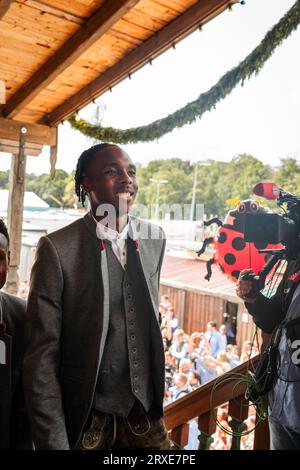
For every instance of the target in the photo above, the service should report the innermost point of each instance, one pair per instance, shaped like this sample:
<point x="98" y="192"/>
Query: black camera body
<point x="263" y="229"/>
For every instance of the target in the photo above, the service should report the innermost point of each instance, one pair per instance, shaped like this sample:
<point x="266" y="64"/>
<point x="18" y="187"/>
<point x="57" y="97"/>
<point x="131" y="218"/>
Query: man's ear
<point x="8" y="257"/>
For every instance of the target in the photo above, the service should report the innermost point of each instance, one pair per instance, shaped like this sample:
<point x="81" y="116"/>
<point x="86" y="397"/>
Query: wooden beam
<point x="200" y="13"/>
<point x="36" y="133"/>
<point x="104" y="18"/>
<point x="12" y="146"/>
<point x="55" y="11"/>
<point x="4" y="6"/>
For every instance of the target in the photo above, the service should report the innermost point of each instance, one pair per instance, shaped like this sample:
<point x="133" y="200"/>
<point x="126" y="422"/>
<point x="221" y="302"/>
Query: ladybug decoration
<point x="232" y="253"/>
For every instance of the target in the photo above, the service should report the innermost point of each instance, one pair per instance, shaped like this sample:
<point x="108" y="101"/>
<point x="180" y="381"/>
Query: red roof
<point x="191" y="272"/>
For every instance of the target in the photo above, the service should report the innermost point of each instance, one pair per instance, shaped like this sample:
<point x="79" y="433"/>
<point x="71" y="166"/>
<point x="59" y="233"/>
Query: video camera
<point x="274" y="228"/>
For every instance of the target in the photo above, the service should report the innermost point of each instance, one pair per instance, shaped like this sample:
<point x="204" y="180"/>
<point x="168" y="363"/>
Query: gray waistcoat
<point x="125" y="372"/>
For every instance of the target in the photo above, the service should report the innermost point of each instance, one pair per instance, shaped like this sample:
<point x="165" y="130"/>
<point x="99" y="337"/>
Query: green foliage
<point x="207" y="101"/>
<point x="288" y="175"/>
<point x="216" y="183"/>
<point x="4" y="175"/>
<point x="48" y="188"/>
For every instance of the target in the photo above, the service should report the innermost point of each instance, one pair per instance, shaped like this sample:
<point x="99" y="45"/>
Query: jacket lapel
<point x="142" y="256"/>
<point x="104" y="282"/>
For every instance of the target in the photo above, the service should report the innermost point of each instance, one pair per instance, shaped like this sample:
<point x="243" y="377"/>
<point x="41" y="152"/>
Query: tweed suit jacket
<point x="67" y="322"/>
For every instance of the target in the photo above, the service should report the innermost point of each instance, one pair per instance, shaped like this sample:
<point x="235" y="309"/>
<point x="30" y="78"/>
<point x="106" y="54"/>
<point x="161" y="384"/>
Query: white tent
<point x="32" y="202"/>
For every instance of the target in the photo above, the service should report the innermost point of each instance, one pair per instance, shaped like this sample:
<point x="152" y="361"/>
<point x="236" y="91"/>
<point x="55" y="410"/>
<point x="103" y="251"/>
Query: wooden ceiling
<point x="56" y="56"/>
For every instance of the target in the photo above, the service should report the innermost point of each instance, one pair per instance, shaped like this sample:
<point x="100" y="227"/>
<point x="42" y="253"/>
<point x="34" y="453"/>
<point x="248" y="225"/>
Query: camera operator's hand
<point x="245" y="286"/>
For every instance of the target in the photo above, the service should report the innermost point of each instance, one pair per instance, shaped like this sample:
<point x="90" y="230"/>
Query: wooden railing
<point x="198" y="404"/>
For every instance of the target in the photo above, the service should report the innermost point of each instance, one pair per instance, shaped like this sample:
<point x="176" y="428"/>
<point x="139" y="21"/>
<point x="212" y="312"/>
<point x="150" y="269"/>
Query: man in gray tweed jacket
<point x="94" y="360"/>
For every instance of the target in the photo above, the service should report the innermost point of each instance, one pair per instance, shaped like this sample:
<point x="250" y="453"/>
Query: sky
<point x="261" y="118"/>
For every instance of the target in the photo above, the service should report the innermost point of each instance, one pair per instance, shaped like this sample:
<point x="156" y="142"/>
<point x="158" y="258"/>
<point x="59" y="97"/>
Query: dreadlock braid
<point x="82" y="164"/>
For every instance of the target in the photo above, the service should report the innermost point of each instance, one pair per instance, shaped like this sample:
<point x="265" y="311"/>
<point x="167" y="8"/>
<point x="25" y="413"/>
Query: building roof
<point x="56" y="56"/>
<point x="190" y="273"/>
<point x="31" y="201"/>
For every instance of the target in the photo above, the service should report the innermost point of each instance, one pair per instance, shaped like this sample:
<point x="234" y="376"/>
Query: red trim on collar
<point x="294" y="277"/>
<point x="136" y="244"/>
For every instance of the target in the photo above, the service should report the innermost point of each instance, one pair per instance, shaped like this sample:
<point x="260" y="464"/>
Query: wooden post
<point x="15" y="215"/>
<point x="238" y="410"/>
<point x="207" y="427"/>
<point x="180" y="435"/>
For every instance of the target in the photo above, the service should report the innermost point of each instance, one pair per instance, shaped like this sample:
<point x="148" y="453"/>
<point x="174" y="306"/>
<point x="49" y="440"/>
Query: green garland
<point x="253" y="63"/>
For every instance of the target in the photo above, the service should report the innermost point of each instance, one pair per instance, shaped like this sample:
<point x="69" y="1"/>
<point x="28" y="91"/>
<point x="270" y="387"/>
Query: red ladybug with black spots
<point x="232" y="253"/>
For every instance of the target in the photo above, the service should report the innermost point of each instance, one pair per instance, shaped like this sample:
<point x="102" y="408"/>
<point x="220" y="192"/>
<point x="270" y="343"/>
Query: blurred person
<point x="164" y="304"/>
<point x="195" y="338"/>
<point x="172" y="319"/>
<point x="204" y="346"/>
<point x="214" y="338"/>
<point x="192" y="352"/>
<point x="185" y="365"/>
<point x="232" y="352"/>
<point x="193" y="380"/>
<point x="181" y="386"/>
<point x="222" y="331"/>
<point x="247" y="351"/>
<point x="222" y="362"/>
<point x="180" y="346"/>
<point x="206" y="368"/>
<point x="12" y="323"/>
<point x="167" y="336"/>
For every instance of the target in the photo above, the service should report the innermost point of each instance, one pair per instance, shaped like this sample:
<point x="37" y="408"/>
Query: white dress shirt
<point x="118" y="240"/>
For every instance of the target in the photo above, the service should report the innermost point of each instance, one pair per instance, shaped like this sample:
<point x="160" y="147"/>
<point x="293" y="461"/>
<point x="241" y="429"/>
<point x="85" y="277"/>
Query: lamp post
<point x="193" y="203"/>
<point x="158" y="182"/>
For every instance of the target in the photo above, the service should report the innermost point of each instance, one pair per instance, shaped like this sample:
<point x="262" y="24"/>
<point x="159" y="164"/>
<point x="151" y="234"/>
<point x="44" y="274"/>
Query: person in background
<point x="247" y="351"/>
<point x="185" y="365"/>
<point x="181" y="386"/>
<point x="180" y="346"/>
<point x="12" y="313"/>
<point x="214" y="338"/>
<point x="164" y="304"/>
<point x="223" y="333"/>
<point x="232" y="352"/>
<point x="193" y="381"/>
<point x="223" y="364"/>
<point x="206" y="369"/>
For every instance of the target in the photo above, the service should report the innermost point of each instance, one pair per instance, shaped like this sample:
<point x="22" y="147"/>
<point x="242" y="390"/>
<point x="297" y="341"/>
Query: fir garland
<point x="252" y="64"/>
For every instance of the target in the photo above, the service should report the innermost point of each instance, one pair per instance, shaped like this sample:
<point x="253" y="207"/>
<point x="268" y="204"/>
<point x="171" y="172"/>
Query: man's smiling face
<point x="111" y="179"/>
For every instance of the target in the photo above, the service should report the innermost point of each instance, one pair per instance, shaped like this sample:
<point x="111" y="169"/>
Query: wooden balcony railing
<point x="198" y="403"/>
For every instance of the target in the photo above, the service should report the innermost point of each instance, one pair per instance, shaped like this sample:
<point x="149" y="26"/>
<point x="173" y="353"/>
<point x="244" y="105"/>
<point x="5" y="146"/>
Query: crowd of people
<point x="195" y="359"/>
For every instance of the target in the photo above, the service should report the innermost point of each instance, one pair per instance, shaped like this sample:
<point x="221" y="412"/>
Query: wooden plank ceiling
<point x="56" y="56"/>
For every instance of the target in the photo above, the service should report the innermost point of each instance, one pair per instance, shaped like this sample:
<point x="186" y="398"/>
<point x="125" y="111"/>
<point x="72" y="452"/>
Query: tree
<point x="287" y="176"/>
<point x="4" y="177"/>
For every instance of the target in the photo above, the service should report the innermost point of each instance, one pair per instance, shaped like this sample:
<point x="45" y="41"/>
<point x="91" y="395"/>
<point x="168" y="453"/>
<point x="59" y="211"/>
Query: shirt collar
<point x="104" y="232"/>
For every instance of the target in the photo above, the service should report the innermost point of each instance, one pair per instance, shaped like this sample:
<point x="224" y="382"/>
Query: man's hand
<point x="244" y="286"/>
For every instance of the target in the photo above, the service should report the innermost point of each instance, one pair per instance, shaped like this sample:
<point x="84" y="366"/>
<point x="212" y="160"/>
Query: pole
<point x="194" y="193"/>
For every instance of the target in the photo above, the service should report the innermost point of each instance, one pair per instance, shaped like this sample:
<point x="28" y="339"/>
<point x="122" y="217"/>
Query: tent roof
<point x="56" y="56"/>
<point x="31" y="201"/>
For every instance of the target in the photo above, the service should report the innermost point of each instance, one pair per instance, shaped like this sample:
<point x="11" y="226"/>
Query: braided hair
<point x="82" y="165"/>
<point x="3" y="230"/>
